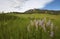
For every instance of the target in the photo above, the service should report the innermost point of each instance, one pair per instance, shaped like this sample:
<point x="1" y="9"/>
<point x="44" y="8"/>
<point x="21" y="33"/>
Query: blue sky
<point x="24" y="5"/>
<point x="55" y="5"/>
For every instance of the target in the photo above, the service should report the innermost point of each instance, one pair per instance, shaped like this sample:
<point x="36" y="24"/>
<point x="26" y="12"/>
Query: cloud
<point x="22" y="5"/>
<point x="31" y="4"/>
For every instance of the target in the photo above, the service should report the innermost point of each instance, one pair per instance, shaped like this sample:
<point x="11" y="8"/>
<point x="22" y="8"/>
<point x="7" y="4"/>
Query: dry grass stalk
<point x="48" y="23"/>
<point x="31" y="23"/>
<point x="52" y="26"/>
<point x="28" y="28"/>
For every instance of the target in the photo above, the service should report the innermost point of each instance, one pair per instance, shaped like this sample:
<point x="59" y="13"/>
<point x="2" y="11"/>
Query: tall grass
<point x="38" y="27"/>
<point x="23" y="27"/>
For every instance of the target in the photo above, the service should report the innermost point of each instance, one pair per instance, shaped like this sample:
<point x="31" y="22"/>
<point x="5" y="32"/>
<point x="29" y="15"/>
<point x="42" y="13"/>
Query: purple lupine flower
<point x="36" y="24"/>
<point x="41" y="22"/>
<point x="51" y="34"/>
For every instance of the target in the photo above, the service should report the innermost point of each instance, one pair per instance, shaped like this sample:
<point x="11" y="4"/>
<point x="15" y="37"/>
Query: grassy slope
<point x="18" y="22"/>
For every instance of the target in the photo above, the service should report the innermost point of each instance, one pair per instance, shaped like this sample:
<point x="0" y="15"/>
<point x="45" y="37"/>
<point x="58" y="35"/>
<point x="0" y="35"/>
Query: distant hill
<point x="42" y="11"/>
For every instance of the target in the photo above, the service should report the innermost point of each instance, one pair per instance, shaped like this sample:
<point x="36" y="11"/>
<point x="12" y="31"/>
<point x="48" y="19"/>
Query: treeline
<point x="39" y="11"/>
<point x="42" y="11"/>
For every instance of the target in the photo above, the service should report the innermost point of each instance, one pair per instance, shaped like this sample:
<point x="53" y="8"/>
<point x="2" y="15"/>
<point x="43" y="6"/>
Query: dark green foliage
<point x="5" y="17"/>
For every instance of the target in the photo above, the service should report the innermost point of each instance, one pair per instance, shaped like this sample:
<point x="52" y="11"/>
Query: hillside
<point x="14" y="26"/>
<point x="43" y="11"/>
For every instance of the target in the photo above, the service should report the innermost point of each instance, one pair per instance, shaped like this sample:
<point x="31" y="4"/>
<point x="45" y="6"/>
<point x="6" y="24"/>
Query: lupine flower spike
<point x="28" y="28"/>
<point x="36" y="24"/>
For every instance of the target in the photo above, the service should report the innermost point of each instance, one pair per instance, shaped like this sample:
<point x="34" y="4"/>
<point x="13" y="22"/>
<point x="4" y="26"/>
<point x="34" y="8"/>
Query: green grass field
<point x="14" y="26"/>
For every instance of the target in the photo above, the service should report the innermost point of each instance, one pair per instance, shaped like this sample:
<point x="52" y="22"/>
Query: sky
<point x="55" y="5"/>
<point x="24" y="5"/>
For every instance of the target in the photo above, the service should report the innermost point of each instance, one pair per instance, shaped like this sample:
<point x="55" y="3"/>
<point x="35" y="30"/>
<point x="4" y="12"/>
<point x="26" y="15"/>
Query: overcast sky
<point x="23" y="5"/>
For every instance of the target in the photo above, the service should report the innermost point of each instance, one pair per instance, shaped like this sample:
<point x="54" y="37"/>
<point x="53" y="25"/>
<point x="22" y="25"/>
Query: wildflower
<point x="36" y="24"/>
<point x="51" y="34"/>
<point x="41" y="22"/>
<point x="48" y="23"/>
<point x="44" y="28"/>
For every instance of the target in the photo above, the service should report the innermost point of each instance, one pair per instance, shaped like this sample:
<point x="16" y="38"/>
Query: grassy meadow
<point x="14" y="26"/>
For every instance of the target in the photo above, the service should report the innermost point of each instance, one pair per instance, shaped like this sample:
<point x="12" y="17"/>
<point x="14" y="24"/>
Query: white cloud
<point x="22" y="5"/>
